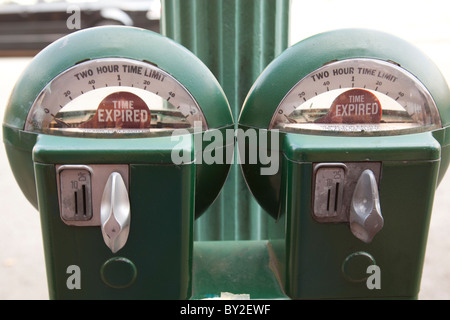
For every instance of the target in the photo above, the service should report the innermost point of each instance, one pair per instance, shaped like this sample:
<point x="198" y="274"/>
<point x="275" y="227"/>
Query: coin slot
<point x="328" y="200"/>
<point x="75" y="193"/>
<point x="83" y="188"/>
<point x="336" y="197"/>
<point x="328" y="190"/>
<point x="76" y="202"/>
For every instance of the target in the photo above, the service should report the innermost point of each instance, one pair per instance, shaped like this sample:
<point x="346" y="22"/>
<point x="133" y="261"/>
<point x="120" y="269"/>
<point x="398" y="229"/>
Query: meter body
<point x="101" y="133"/>
<point x="362" y="121"/>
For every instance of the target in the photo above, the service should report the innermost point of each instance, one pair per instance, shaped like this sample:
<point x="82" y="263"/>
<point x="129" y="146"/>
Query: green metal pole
<point x="236" y="39"/>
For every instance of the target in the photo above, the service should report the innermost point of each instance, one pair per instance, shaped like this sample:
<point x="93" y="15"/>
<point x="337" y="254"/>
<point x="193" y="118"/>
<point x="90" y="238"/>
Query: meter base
<point x="155" y="261"/>
<point x="326" y="260"/>
<point x="239" y="269"/>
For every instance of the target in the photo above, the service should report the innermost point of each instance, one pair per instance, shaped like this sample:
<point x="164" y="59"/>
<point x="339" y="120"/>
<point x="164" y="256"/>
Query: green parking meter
<point x="359" y="120"/>
<point x="102" y="131"/>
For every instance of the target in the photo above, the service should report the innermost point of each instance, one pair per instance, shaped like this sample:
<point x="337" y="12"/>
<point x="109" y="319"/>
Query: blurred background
<point x="27" y="26"/>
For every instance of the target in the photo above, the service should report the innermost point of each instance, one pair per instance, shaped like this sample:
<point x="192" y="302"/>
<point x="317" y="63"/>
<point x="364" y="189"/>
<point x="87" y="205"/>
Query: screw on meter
<point x="114" y="97"/>
<point x="357" y="96"/>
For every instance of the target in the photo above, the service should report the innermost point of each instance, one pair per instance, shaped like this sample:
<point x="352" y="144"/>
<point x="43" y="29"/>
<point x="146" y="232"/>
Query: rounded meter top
<point x="116" y="82"/>
<point x="349" y="82"/>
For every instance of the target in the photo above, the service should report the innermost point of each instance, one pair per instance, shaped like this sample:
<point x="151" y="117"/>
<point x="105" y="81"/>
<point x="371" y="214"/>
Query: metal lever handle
<point x="115" y="213"/>
<point x="365" y="212"/>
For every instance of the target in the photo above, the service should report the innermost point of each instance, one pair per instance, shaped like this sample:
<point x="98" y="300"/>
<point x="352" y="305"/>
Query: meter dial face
<point x="357" y="97"/>
<point x="114" y="97"/>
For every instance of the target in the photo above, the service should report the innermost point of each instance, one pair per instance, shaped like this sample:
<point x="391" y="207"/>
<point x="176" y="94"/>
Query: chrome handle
<point x="115" y="213"/>
<point x="365" y="212"/>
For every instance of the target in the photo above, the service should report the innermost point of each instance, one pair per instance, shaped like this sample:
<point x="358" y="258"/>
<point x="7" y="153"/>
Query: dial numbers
<point x="406" y="104"/>
<point x="70" y="102"/>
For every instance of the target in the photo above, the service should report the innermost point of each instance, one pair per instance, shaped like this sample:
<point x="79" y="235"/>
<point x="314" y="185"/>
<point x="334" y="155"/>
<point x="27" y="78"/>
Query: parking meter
<point x="361" y="124"/>
<point x="102" y="132"/>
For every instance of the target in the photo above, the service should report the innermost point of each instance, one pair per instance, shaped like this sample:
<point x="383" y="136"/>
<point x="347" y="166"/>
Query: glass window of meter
<point x="121" y="109"/>
<point x="357" y="97"/>
<point x="114" y="97"/>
